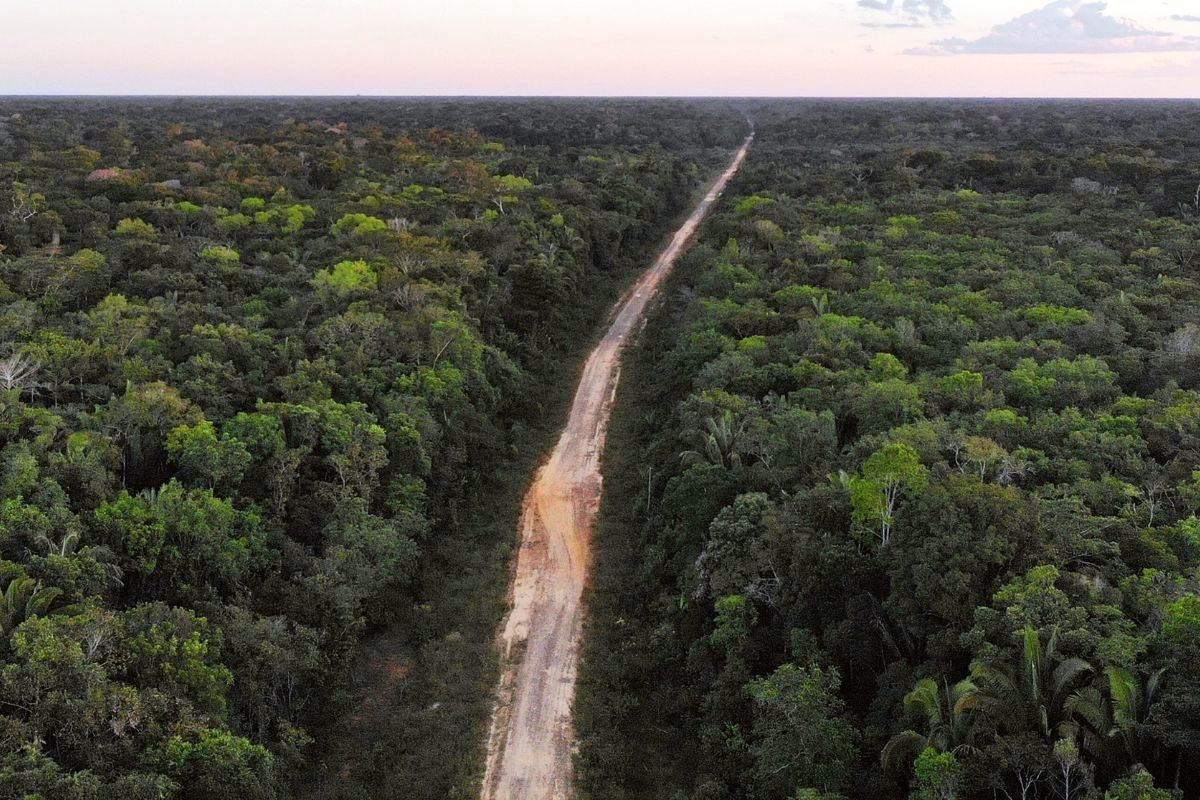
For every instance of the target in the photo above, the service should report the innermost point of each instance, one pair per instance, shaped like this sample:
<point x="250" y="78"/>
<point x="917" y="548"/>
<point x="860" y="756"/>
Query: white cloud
<point x="1066" y="26"/>
<point x="908" y="13"/>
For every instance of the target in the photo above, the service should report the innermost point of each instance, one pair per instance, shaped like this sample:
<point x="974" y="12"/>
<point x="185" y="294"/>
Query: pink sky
<point x="1130" y="48"/>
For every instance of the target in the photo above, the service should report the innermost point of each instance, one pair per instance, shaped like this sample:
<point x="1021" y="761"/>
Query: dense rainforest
<point x="273" y="374"/>
<point x="903" y="480"/>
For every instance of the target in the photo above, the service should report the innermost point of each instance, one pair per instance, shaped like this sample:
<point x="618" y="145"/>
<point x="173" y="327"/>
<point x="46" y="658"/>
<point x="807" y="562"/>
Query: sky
<point x="833" y="48"/>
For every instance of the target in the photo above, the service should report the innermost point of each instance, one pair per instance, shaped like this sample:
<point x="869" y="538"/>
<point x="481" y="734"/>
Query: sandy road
<point x="529" y="748"/>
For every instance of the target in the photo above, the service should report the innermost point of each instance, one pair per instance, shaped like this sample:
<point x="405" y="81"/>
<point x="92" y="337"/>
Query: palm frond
<point x="901" y="750"/>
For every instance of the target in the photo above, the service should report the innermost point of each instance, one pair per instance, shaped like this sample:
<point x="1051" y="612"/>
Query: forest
<point x="274" y="373"/>
<point x="902" y="488"/>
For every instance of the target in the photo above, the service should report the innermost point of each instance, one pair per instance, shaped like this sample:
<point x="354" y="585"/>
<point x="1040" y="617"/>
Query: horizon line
<point x="431" y="96"/>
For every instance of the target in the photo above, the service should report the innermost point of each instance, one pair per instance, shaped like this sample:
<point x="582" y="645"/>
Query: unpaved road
<point x="529" y="748"/>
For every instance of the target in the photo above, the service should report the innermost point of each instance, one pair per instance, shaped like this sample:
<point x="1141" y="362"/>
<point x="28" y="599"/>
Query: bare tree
<point x="1153" y="491"/>
<point x="23" y="208"/>
<point x="19" y="371"/>
<point x="860" y="176"/>
<point x="1027" y="779"/>
<point x="1184" y="341"/>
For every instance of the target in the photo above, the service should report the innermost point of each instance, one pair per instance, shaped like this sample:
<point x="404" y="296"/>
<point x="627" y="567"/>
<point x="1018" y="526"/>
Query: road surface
<point x="530" y="741"/>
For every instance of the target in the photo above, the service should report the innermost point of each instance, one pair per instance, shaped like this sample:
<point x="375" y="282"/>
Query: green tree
<point x="129" y="526"/>
<point x="937" y="776"/>
<point x="886" y="475"/>
<point x="136" y="229"/>
<point x="119" y="323"/>
<point x="209" y="547"/>
<point x="346" y="279"/>
<point x="140" y="422"/>
<point x="175" y="651"/>
<point x="221" y="256"/>
<point x="205" y="458"/>
<point x="1176" y="715"/>
<point x="213" y="764"/>
<point x="1140" y="786"/>
<point x="359" y="225"/>
<point x="734" y="550"/>
<point x="800" y="736"/>
<point x="1071" y="778"/>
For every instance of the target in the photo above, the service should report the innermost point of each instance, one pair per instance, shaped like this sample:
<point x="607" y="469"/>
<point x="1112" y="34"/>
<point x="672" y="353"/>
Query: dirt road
<point x="530" y="742"/>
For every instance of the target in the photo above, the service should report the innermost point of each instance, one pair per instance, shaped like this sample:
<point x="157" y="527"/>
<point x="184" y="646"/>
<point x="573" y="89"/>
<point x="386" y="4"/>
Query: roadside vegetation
<point x="274" y="375"/>
<point x="902" y="488"/>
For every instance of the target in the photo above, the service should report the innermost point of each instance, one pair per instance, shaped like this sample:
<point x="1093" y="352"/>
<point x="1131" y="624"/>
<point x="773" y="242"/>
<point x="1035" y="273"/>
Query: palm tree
<point x="103" y="555"/>
<point x="949" y="723"/>
<point x="24" y="598"/>
<point x="1112" y="715"/>
<point x="718" y="445"/>
<point x="1029" y="693"/>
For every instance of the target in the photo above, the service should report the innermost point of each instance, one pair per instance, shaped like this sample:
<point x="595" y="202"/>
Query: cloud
<point x="893" y="24"/>
<point x="1185" y="18"/>
<point x="1066" y="26"/>
<point x="914" y="13"/>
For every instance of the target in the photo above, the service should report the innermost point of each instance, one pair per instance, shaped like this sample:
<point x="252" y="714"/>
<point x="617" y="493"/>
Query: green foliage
<point x="205" y="458"/>
<point x="136" y="229"/>
<point x="799" y="737"/>
<point x="346" y="279"/>
<point x="129" y="526"/>
<point x="213" y="763"/>
<point x="513" y="184"/>
<point x="231" y="223"/>
<point x="359" y="225"/>
<point x="1139" y="786"/>
<point x="886" y="475"/>
<point x="768" y="232"/>
<point x="946" y="714"/>
<point x="937" y="776"/>
<point x="296" y="216"/>
<point x="1046" y="314"/>
<point x="221" y="255"/>
<point x="751" y="203"/>
<point x="1182" y="623"/>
